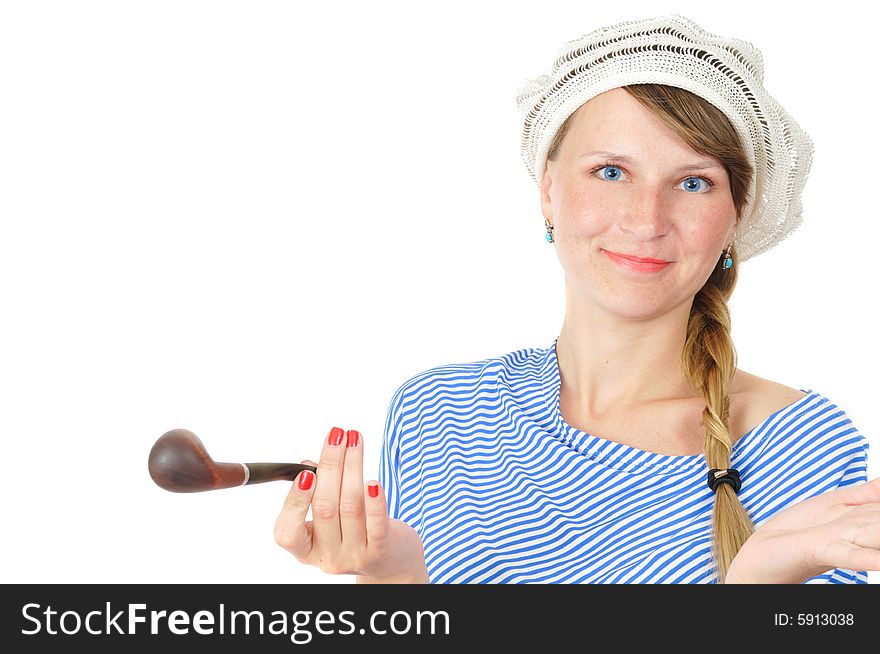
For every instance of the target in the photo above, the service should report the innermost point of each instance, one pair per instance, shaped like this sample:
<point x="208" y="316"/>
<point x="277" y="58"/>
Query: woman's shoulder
<point x="803" y="426"/>
<point x="755" y="399"/>
<point x="461" y="385"/>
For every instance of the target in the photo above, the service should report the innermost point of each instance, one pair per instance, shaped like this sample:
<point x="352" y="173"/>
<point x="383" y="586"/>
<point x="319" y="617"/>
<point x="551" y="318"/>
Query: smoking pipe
<point x="180" y="463"/>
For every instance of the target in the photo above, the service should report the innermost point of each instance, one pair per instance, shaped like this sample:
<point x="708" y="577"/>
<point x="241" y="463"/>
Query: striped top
<point x="477" y="458"/>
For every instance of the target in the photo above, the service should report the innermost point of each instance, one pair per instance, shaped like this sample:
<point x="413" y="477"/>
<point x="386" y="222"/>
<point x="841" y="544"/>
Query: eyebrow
<point x="702" y="164"/>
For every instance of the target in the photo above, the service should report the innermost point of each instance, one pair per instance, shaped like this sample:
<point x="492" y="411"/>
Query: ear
<point x="546" y="204"/>
<point x="731" y="233"/>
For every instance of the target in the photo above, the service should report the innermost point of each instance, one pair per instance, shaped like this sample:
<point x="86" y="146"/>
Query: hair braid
<point x="709" y="363"/>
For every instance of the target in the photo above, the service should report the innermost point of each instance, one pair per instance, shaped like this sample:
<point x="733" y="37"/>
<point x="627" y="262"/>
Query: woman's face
<point x="650" y="203"/>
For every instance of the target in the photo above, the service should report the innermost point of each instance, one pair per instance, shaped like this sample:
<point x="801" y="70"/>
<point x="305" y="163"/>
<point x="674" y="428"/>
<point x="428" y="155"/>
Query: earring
<point x="549" y="234"/>
<point x="727" y="261"/>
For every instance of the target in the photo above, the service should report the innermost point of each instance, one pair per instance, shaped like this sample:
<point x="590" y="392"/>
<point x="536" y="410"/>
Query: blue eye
<point x="692" y="184"/>
<point x="612" y="174"/>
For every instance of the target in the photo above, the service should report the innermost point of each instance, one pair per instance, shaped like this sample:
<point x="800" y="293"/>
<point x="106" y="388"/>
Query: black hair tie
<point x="724" y="476"/>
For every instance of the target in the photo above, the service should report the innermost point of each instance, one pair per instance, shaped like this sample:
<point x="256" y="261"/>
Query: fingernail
<point x="336" y="435"/>
<point x="305" y="479"/>
<point x="373" y="490"/>
<point x="353" y="436"/>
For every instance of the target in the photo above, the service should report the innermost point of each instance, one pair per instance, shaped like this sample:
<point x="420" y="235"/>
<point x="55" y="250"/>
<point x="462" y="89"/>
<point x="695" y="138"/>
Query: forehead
<point x="615" y="109"/>
<point x="615" y="121"/>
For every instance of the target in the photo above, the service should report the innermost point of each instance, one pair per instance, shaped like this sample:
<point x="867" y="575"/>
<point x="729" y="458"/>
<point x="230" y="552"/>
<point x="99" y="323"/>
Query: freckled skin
<point x="647" y="211"/>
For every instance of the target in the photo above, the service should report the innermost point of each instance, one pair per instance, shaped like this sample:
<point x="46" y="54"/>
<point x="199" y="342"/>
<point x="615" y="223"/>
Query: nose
<point x="645" y="214"/>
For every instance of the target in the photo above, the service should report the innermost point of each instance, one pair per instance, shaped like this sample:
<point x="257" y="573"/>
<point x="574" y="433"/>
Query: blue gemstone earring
<point x="727" y="261"/>
<point x="549" y="234"/>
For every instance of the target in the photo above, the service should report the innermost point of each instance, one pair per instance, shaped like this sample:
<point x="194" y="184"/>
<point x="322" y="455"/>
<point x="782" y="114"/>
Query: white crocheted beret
<point x="675" y="51"/>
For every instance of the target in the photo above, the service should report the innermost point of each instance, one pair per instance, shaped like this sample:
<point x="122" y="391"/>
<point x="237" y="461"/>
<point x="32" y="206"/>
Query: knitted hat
<point x="675" y="51"/>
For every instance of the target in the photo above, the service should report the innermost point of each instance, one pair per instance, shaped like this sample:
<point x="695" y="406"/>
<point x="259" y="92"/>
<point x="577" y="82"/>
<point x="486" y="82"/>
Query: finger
<point x="325" y="501"/>
<point x="351" y="498"/>
<point x="852" y="557"/>
<point x="867" y="533"/>
<point x="378" y="522"/>
<point x="292" y="532"/>
<point x="867" y="491"/>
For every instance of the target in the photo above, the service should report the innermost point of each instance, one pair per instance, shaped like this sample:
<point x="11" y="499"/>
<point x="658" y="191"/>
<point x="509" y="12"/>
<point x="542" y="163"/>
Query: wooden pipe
<point x="180" y="463"/>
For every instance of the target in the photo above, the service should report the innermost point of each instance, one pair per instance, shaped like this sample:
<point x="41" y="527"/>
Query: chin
<point x="640" y="303"/>
<point x="637" y="313"/>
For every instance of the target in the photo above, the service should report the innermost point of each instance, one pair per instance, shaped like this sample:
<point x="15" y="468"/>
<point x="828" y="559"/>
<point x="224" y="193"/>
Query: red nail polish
<point x="353" y="436"/>
<point x="336" y="435"/>
<point x="373" y="490"/>
<point x="305" y="479"/>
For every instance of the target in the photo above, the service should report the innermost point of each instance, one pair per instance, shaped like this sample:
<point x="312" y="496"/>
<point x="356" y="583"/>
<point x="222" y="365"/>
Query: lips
<point x="633" y="257"/>
<point x="637" y="264"/>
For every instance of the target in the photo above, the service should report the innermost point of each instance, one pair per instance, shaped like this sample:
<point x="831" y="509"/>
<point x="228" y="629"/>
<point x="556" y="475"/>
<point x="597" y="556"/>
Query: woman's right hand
<point x="351" y="532"/>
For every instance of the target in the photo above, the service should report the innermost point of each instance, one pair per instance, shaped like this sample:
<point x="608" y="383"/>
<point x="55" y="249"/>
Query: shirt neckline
<point x="626" y="457"/>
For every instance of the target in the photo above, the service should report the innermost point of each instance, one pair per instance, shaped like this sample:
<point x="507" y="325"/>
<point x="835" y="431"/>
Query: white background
<point x="255" y="220"/>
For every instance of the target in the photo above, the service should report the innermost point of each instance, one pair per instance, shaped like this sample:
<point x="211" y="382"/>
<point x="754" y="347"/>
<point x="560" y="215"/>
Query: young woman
<point x="632" y="450"/>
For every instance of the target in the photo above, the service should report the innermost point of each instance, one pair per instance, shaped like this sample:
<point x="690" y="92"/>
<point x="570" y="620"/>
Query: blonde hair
<point x="709" y="356"/>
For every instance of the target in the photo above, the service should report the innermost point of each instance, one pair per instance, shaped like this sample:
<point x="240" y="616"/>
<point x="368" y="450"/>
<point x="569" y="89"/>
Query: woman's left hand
<point x="837" y="529"/>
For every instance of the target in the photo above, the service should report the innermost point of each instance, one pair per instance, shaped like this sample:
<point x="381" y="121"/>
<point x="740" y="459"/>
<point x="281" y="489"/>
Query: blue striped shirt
<point x="477" y="458"/>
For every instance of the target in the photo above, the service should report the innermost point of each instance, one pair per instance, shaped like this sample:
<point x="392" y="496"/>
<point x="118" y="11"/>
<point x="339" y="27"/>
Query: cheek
<point x="700" y="233"/>
<point x="584" y="214"/>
